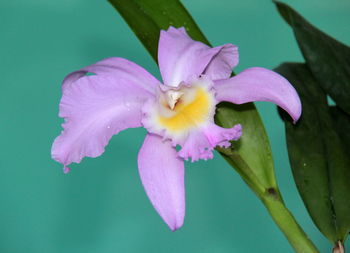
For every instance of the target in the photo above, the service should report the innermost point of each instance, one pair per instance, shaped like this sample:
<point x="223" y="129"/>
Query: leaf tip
<point x="284" y="10"/>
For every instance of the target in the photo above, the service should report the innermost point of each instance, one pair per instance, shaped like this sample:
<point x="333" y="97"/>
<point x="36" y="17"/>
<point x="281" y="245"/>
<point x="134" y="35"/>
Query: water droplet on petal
<point x="127" y="105"/>
<point x="108" y="127"/>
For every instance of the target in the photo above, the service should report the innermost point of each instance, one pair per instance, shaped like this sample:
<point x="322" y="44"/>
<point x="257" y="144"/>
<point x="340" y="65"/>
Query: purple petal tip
<point x="66" y="170"/>
<point x="175" y="227"/>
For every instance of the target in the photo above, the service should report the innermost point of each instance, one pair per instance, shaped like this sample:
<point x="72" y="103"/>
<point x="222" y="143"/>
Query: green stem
<point x="287" y="223"/>
<point x="272" y="199"/>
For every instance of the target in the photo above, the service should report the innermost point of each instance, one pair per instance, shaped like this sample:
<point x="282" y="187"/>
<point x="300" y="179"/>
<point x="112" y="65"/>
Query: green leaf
<point x="320" y="163"/>
<point x="342" y="125"/>
<point x="327" y="58"/>
<point x="146" y="18"/>
<point x="253" y="149"/>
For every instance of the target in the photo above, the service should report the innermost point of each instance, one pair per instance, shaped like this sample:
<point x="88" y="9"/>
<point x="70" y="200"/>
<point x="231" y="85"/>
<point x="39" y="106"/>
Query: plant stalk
<point x="272" y="199"/>
<point x="287" y="223"/>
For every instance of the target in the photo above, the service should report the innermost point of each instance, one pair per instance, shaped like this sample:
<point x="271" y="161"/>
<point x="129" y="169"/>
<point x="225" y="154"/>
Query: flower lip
<point x="177" y="111"/>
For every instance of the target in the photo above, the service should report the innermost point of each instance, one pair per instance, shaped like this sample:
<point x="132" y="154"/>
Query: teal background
<point x="101" y="207"/>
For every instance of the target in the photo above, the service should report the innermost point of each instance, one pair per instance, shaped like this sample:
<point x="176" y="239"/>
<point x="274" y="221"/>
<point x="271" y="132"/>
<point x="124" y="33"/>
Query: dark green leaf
<point x="342" y="125"/>
<point x="320" y="164"/>
<point x="146" y="18"/>
<point x="327" y="58"/>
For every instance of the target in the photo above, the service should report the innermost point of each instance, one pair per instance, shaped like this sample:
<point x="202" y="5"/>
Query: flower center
<point x="172" y="97"/>
<point x="179" y="110"/>
<point x="189" y="107"/>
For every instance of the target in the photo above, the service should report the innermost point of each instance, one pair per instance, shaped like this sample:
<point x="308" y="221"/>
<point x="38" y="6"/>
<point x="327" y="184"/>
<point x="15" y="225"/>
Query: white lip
<point x="172" y="96"/>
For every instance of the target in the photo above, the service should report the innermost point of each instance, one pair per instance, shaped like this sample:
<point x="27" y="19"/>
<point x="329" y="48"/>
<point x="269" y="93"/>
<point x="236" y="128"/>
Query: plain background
<point x="101" y="207"/>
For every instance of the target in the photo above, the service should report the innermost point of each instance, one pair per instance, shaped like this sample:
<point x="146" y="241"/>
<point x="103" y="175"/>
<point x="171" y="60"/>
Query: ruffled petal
<point x="180" y="58"/>
<point x="200" y="144"/>
<point x="219" y="136"/>
<point x="120" y="68"/>
<point x="162" y="175"/>
<point x="98" y="106"/>
<point x="221" y="65"/>
<point x="196" y="147"/>
<point x="259" y="84"/>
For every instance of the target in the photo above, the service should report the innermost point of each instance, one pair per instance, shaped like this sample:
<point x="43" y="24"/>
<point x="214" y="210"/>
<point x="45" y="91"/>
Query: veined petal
<point x="162" y="175"/>
<point x="181" y="59"/>
<point x="119" y="68"/>
<point x="221" y="65"/>
<point x="259" y="84"/>
<point x="95" y="108"/>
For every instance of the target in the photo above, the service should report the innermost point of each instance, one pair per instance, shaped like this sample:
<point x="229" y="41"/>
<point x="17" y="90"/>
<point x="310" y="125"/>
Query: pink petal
<point x="259" y="84"/>
<point x="96" y="107"/>
<point x="119" y="68"/>
<point x="221" y="65"/>
<point x="180" y="58"/>
<point x="200" y="144"/>
<point x="162" y="175"/>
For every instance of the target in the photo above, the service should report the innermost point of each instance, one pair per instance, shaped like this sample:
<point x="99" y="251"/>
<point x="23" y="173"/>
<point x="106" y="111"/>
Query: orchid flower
<point x="178" y="112"/>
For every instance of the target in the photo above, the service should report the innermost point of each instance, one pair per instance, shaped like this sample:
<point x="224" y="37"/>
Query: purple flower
<point x="179" y="112"/>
